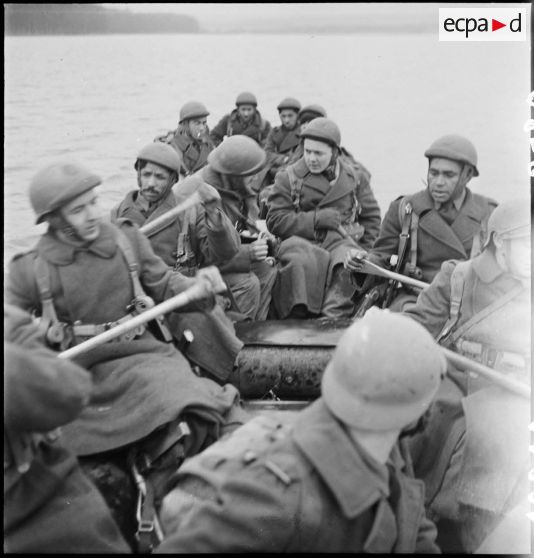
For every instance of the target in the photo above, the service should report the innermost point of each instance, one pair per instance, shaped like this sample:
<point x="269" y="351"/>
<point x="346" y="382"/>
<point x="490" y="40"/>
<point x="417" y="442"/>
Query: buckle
<point x="145" y="527"/>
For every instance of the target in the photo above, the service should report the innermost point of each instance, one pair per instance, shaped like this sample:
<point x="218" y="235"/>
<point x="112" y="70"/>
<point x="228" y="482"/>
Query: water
<point x="101" y="98"/>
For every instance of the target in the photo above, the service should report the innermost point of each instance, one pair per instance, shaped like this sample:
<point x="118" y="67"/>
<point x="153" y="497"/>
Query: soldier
<point x="250" y="274"/>
<point x="85" y="276"/>
<point x="334" y="478"/>
<point x="309" y="203"/>
<point x="191" y="139"/>
<point x="444" y="221"/>
<point x="200" y="236"/>
<point x="245" y="119"/>
<point x="473" y="455"/>
<point x="283" y="140"/>
<point x="49" y="504"/>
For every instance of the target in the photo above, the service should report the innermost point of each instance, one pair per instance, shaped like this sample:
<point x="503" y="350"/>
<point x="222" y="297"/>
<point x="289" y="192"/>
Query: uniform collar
<point x="486" y="267"/>
<point x="63" y="252"/>
<point x="338" y="458"/>
<point x="458" y="202"/>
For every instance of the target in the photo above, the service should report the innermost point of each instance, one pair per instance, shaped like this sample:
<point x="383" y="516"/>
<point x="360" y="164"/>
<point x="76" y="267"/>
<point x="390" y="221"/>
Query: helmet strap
<point x="58" y="223"/>
<point x="330" y="171"/>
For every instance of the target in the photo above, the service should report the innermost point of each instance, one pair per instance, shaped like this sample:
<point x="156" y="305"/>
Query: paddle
<point x="203" y="288"/>
<point x="374" y="269"/>
<point x="488" y="373"/>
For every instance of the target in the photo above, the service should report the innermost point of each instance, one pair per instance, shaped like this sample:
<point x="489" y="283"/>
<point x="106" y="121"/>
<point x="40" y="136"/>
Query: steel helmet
<point x="246" y="98"/>
<point x="192" y="109"/>
<point x="384" y="373"/>
<point x="57" y="184"/>
<point x="237" y="155"/>
<point x="289" y="103"/>
<point x="161" y="154"/>
<point x="456" y="148"/>
<point x="323" y="129"/>
<point x="309" y="112"/>
<point x="510" y="219"/>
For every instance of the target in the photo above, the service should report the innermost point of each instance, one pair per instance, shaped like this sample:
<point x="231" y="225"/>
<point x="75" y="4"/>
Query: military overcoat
<point x="139" y="384"/>
<point x="436" y="240"/>
<point x="305" y="489"/>
<point x="473" y="453"/>
<point x="194" y="152"/>
<point x="231" y="124"/>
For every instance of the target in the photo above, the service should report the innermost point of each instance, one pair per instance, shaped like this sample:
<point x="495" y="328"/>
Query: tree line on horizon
<point x="85" y="19"/>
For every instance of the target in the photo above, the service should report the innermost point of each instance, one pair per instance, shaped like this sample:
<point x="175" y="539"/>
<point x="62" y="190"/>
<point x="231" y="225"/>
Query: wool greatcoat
<point x="305" y="487"/>
<point x="436" y="240"/>
<point x="473" y="456"/>
<point x="140" y="384"/>
<point x="308" y="255"/>
<point x="188" y="243"/>
<point x="49" y="505"/>
<point x="194" y="152"/>
<point x="231" y="124"/>
<point x="241" y="207"/>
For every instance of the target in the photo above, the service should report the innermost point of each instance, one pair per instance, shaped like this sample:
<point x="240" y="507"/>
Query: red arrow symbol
<point x="496" y="24"/>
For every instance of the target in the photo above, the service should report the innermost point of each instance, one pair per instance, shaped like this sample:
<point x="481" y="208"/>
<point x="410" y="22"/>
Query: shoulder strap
<point x="458" y="278"/>
<point x="42" y="276"/>
<point x="511" y="294"/>
<point x="128" y="254"/>
<point x="295" y="185"/>
<point x="405" y="219"/>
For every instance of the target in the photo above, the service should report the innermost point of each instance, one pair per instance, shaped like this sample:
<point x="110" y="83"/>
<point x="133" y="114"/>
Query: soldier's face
<point x="317" y="155"/>
<point x="154" y="181"/>
<point x="288" y="118"/>
<point x="198" y="127"/>
<point x="83" y="214"/>
<point x="443" y="179"/>
<point x="245" y="112"/>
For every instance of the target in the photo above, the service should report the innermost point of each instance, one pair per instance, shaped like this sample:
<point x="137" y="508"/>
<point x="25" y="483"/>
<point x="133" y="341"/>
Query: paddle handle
<point x="200" y="290"/>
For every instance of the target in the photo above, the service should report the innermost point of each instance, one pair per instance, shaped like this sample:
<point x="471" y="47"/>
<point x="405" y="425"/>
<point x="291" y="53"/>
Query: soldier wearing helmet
<point x="249" y="274"/>
<point x="282" y="141"/>
<point x="473" y="455"/>
<point x="446" y="220"/>
<point x="85" y="276"/>
<point x="245" y="119"/>
<point x="333" y="477"/>
<point x="200" y="236"/>
<point x="309" y="202"/>
<point x="191" y="138"/>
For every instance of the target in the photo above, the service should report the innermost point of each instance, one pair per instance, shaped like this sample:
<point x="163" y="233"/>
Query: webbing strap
<point x="128" y="254"/>
<point x="405" y="218"/>
<point x="48" y="312"/>
<point x="458" y="277"/>
<point x="414" y="227"/>
<point x="510" y="295"/>
<point x="295" y="185"/>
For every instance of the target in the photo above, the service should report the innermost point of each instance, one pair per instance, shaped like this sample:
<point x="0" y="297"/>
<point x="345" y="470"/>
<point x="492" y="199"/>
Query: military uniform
<point x="305" y="487"/>
<point x="186" y="244"/>
<point x="473" y="456"/>
<point x="309" y="281"/>
<point x="194" y="152"/>
<point x="139" y="384"/>
<point x="256" y="128"/>
<point x="250" y="281"/>
<point x="437" y="241"/>
<point x="49" y="504"/>
<point x="280" y="146"/>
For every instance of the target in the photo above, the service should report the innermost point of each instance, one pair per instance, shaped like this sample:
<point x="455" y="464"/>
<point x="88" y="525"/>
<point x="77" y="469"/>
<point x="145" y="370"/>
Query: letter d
<point x="518" y="21"/>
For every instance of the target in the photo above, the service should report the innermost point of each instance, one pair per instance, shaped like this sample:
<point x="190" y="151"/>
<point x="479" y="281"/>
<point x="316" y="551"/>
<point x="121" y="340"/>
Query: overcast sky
<point x="213" y="11"/>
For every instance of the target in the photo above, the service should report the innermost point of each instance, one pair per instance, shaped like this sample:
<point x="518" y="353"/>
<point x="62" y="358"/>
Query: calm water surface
<point x="101" y="98"/>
